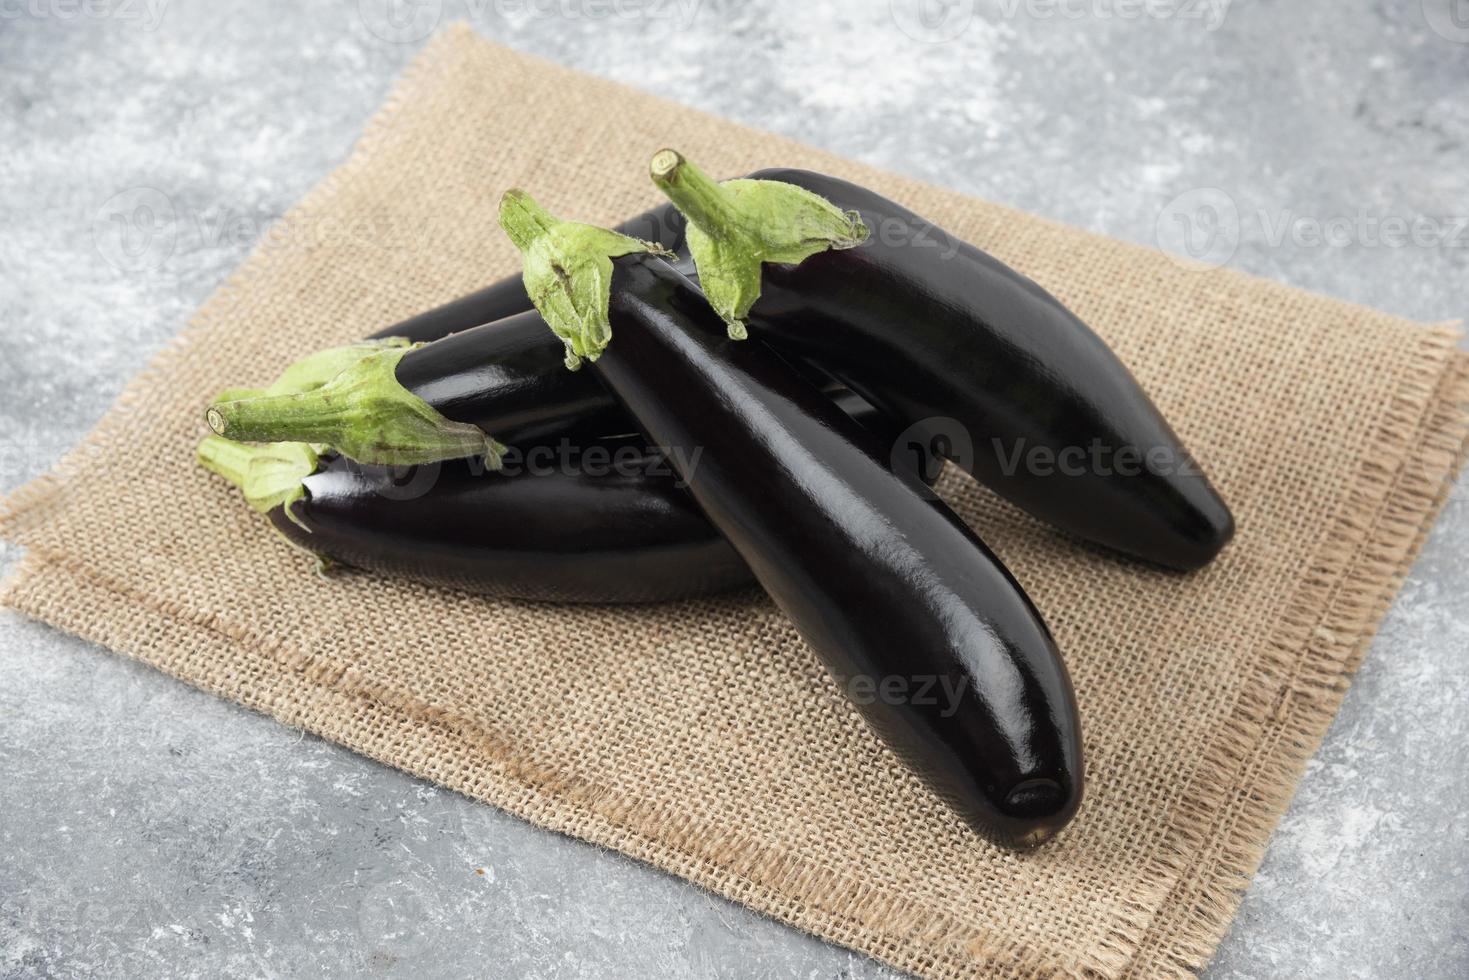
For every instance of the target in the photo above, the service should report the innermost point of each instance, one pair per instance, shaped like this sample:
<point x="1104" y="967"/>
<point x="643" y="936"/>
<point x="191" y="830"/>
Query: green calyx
<point x="568" y="272"/>
<point x="269" y="476"/>
<point x="315" y="370"/>
<point x="737" y="226"/>
<point x="363" y="413"/>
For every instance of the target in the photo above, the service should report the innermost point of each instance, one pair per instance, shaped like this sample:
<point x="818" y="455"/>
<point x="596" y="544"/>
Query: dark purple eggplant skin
<point x="489" y="361"/>
<point x="663" y="224"/>
<point x="926" y="327"/>
<point x="987" y="367"/>
<point x="510" y="379"/>
<point x="604" y="534"/>
<point x="508" y="376"/>
<point x="622" y="535"/>
<point x="885" y="583"/>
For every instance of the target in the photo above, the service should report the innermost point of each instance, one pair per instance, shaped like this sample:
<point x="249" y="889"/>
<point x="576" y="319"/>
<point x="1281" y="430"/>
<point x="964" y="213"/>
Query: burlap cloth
<point x="703" y="737"/>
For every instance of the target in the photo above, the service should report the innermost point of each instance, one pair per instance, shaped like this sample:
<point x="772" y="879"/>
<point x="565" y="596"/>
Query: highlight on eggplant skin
<point x="926" y="326"/>
<point x="881" y="579"/>
<point x="615" y="537"/>
<point x="938" y="334"/>
<point x="664" y="225"/>
<point x="572" y="530"/>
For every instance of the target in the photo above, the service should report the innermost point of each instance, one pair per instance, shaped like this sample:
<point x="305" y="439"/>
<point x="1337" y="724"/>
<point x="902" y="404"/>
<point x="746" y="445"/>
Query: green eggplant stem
<point x="364" y="413"/>
<point x="737" y="226"/>
<point x="568" y="272"/>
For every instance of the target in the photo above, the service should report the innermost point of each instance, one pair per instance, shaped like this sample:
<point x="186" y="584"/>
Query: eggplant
<point x="507" y="378"/>
<point x="896" y="594"/>
<point x="472" y="393"/>
<point x="619" y="532"/>
<point x="614" y="526"/>
<point x="939" y="333"/>
<point x="988" y="369"/>
<point x="662" y="225"/>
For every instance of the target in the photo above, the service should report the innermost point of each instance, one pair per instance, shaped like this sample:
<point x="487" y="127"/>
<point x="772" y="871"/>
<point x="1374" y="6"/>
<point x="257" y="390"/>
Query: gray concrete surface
<point x="147" y="830"/>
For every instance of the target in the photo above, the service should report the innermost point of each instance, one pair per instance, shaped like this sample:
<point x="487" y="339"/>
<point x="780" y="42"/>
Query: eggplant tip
<point x="1223" y="529"/>
<point x="1213" y="530"/>
<point x="1035" y="798"/>
<point x="1035" y="810"/>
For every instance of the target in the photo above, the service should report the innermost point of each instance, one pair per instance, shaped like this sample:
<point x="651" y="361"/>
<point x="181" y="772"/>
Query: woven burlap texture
<point x="703" y="737"/>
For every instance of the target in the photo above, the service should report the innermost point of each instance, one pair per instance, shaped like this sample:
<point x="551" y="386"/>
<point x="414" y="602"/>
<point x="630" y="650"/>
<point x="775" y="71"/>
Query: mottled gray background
<point x="149" y="830"/>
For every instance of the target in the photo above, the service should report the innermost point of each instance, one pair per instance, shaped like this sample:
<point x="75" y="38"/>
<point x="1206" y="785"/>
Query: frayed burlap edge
<point x="1271" y="737"/>
<point x="1220" y="831"/>
<point x="1278" y="723"/>
<point x="50" y="587"/>
<point x="343" y="706"/>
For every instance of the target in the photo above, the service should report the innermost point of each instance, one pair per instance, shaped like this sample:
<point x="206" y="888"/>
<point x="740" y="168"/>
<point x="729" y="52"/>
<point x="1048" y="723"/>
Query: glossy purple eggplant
<point x="577" y="519"/>
<point x="893" y="591"/>
<point x="663" y="224"/>
<point x="984" y="365"/>
<point x="620" y="530"/>
<point x="995" y="372"/>
<point x="509" y="379"/>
